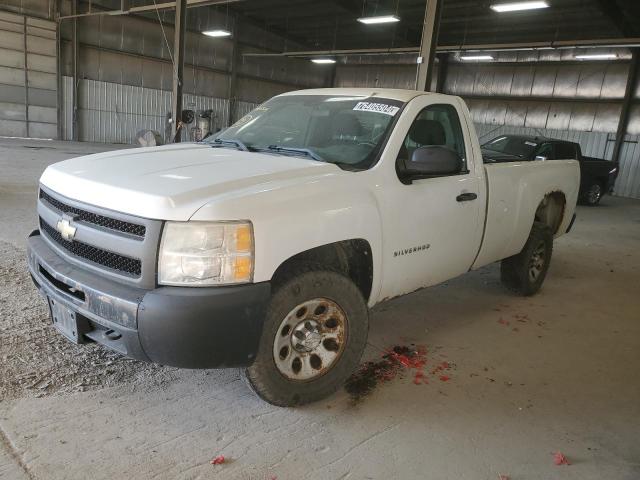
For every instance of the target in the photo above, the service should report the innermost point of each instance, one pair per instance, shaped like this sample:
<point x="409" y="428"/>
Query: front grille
<point x="114" y="261"/>
<point x="94" y="218"/>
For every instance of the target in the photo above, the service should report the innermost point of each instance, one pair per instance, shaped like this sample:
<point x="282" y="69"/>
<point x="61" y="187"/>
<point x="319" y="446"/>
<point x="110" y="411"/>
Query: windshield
<point x="348" y="131"/>
<point x="517" y="146"/>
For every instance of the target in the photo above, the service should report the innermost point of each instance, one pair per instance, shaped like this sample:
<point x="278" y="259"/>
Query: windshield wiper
<point x="304" y="151"/>
<point x="219" y="142"/>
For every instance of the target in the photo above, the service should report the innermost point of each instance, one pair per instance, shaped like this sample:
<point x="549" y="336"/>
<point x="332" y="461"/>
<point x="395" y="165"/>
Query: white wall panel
<point x="28" y="82"/>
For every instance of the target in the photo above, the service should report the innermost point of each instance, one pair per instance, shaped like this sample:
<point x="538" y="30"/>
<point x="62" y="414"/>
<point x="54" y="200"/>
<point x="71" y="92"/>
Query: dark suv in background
<point x="597" y="176"/>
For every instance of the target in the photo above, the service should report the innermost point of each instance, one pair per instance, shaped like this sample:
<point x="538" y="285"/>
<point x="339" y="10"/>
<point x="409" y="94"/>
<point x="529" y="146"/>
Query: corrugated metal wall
<point x="565" y="96"/>
<point x="28" y="77"/>
<point x="33" y="8"/>
<point x="628" y="182"/>
<point x="389" y="76"/>
<point x="114" y="113"/>
<point x="132" y="51"/>
<point x="242" y="108"/>
<point x="391" y="71"/>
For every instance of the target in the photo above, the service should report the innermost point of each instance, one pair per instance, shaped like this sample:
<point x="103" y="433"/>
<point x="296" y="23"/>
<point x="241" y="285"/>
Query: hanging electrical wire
<point x="163" y="32"/>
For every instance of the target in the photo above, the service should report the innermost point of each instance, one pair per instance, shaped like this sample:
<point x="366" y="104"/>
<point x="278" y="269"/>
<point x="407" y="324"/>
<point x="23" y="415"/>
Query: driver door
<point x="433" y="225"/>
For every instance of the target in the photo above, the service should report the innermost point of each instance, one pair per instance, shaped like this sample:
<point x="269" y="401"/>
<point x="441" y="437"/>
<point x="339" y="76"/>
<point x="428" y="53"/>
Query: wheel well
<point x="550" y="211"/>
<point x="349" y="257"/>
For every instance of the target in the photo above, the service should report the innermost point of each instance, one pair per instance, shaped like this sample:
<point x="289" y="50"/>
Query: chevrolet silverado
<point x="265" y="246"/>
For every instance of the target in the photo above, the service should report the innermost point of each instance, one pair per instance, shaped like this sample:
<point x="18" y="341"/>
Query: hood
<point x="172" y="182"/>
<point x="490" y="156"/>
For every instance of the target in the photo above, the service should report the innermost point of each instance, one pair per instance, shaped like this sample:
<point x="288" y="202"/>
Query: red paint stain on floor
<point x="394" y="362"/>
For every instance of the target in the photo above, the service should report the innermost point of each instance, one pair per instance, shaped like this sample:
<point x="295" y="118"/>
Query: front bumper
<point x="178" y="326"/>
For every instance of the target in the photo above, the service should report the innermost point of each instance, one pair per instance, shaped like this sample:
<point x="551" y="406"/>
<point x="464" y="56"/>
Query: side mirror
<point x="431" y="161"/>
<point x="541" y="158"/>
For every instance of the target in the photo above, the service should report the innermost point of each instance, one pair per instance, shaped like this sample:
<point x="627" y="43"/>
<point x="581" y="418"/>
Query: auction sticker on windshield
<point x="376" y="107"/>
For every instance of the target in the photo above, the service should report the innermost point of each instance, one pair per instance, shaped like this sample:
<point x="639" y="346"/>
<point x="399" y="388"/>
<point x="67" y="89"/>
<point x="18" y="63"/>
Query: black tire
<point x="525" y="272"/>
<point x="593" y="194"/>
<point x="307" y="283"/>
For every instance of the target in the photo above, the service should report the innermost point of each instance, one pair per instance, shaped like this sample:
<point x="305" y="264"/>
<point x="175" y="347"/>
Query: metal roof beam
<point x="147" y="8"/>
<point x="613" y="42"/>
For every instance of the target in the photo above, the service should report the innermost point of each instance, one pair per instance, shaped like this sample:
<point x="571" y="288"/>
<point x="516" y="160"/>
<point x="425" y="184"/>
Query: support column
<point x="233" y="73"/>
<point x="332" y="75"/>
<point x="26" y="73"/>
<point x="74" y="53"/>
<point x="59" y="84"/>
<point x="428" y="44"/>
<point x="623" y="123"/>
<point x="178" y="68"/>
<point x="443" y="67"/>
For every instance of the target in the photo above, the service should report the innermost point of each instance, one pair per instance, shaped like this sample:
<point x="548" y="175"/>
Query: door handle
<point x="466" y="197"/>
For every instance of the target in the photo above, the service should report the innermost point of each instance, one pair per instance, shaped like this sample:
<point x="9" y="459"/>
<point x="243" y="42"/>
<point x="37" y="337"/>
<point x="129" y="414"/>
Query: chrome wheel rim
<point x="536" y="262"/>
<point x="310" y="339"/>
<point x="594" y="193"/>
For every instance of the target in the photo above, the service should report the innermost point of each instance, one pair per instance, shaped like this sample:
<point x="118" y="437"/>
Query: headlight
<point x="203" y="253"/>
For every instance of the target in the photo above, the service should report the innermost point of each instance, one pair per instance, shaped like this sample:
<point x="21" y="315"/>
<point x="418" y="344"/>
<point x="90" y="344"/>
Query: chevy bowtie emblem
<point x="65" y="228"/>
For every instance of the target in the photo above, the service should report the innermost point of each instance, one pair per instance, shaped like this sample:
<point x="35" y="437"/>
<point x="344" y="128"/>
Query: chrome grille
<point x="94" y="218"/>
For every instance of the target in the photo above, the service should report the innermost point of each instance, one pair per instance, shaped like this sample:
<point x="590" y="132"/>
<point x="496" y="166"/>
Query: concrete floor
<point x="561" y="377"/>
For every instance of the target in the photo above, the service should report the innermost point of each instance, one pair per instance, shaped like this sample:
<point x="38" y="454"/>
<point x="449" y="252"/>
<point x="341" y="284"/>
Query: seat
<point x="427" y="132"/>
<point x="423" y="132"/>
<point x="345" y="126"/>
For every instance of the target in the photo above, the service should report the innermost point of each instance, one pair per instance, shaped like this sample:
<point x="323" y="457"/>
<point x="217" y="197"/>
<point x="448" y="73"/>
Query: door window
<point x="435" y="125"/>
<point x="546" y="150"/>
<point x="566" y="151"/>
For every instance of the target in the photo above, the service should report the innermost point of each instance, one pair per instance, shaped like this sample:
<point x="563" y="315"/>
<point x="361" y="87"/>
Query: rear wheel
<point x="593" y="194"/>
<point x="525" y="272"/>
<point x="313" y="337"/>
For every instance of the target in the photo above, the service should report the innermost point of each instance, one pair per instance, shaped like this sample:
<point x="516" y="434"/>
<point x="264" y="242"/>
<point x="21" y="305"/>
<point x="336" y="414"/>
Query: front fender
<point x="291" y="219"/>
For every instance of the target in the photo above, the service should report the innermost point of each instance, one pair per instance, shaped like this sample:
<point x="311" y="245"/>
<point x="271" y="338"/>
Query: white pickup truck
<point x="265" y="245"/>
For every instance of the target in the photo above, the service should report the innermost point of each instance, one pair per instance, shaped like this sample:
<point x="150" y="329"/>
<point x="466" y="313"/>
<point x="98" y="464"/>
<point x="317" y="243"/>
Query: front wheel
<point x="524" y="273"/>
<point x="313" y="337"/>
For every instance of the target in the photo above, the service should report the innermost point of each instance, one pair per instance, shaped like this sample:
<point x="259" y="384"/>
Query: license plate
<point x="64" y="319"/>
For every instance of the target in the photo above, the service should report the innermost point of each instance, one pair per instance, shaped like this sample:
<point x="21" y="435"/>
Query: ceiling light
<point x="218" y="33"/>
<point x="596" y="56"/>
<point x="323" y="60"/>
<point x="517" y="6"/>
<point x="380" y="19"/>
<point x="476" y="57"/>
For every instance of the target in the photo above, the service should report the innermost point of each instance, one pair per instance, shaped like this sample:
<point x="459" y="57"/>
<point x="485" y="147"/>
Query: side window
<point x="566" y="151"/>
<point x="546" y="150"/>
<point x="435" y="125"/>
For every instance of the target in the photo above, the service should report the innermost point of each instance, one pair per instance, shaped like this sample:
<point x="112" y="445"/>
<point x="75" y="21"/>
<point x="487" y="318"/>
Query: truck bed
<point x="515" y="189"/>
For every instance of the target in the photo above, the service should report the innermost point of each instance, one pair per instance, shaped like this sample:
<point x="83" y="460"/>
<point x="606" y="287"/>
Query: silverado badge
<point x="407" y="251"/>
<point x="65" y="228"/>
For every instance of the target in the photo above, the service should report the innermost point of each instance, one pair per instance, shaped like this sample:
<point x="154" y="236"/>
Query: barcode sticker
<point x="376" y="107"/>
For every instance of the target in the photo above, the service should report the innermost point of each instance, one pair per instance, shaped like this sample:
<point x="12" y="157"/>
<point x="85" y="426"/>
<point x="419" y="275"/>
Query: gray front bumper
<point x="183" y="327"/>
<point x="109" y="306"/>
